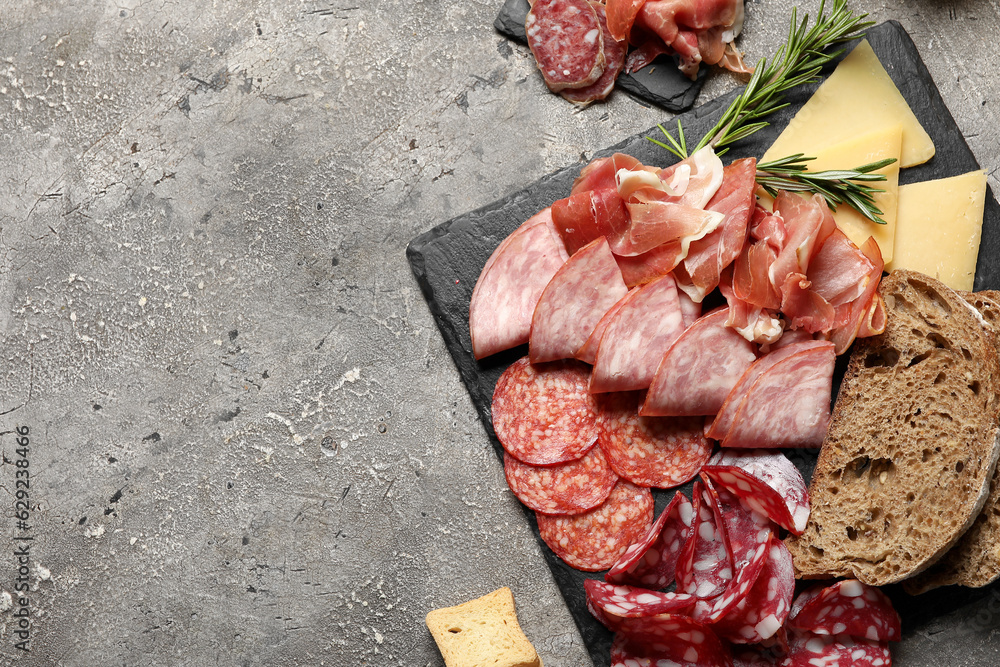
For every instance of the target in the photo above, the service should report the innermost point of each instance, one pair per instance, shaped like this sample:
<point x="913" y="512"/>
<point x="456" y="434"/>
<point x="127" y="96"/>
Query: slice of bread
<point x="482" y="633"/>
<point x="975" y="560"/>
<point x="912" y="445"/>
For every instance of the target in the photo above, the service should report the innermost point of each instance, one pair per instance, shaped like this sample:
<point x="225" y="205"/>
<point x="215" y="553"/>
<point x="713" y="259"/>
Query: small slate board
<point x="659" y="83"/>
<point x="938" y="626"/>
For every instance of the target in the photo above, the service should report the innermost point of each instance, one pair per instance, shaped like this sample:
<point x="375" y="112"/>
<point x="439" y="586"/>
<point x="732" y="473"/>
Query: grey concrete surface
<point x="248" y="445"/>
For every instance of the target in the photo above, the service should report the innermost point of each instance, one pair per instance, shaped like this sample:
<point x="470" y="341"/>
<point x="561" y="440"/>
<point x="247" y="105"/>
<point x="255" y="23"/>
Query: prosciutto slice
<point x="511" y="283"/>
<point x="588" y="215"/>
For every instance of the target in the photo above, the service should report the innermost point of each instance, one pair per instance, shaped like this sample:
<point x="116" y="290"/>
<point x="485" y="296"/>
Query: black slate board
<point x="659" y="83"/>
<point x="948" y="626"/>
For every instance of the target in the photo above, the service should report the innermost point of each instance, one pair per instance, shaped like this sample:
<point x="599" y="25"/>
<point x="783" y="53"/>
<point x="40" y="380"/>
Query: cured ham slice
<point x="649" y="266"/>
<point x="585" y="216"/>
<point x="655" y="223"/>
<point x="651" y="562"/>
<point x="700" y="369"/>
<point x="614" y="60"/>
<point x="574" y="301"/>
<point x="690" y="309"/>
<point x="808" y="223"/>
<point x="565" y="38"/>
<point x="600" y="173"/>
<point x="865" y="315"/>
<point x="789" y="404"/>
<point x="510" y="284"/>
<point x="637" y="337"/>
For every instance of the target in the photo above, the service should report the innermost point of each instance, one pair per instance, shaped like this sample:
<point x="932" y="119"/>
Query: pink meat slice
<point x="767" y="482"/>
<point x="808" y="650"/>
<point x="543" y="415"/>
<point x="651" y="562"/>
<point x="762" y="612"/>
<point x="510" y="284"/>
<point x="724" y="420"/>
<point x="566" y="488"/>
<point x="592" y="541"/>
<point x="703" y="567"/>
<point x="610" y="604"/>
<point x="668" y="640"/>
<point x="789" y="404"/>
<point x="565" y="38"/>
<point x="848" y="608"/>
<point x="690" y="309"/>
<point x="637" y="337"/>
<point x="574" y="301"/>
<point x="700" y="369"/>
<point x="614" y="60"/>
<point x="588" y="353"/>
<point x="662" y="452"/>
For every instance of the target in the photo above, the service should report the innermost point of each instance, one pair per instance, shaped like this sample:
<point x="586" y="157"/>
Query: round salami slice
<point x="652" y="451"/>
<point x="762" y="612"/>
<point x="609" y="603"/>
<point x="740" y="586"/>
<point x="848" y="608"/>
<point x="808" y="650"/>
<point x="543" y="414"/>
<point x="652" y="561"/>
<point x="767" y="482"/>
<point x="594" y="540"/>
<point x="566" y="488"/>
<point x="614" y="57"/>
<point x="668" y="640"/>
<point x="565" y="38"/>
<point x="703" y="567"/>
<point x="745" y="529"/>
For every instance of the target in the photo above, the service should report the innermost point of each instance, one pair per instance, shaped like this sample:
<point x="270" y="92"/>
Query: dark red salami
<point x="594" y="540"/>
<point x="651" y="451"/>
<point x="745" y="529"/>
<point x="767" y="482"/>
<point x="809" y="650"/>
<point x="610" y="604"/>
<point x="543" y="414"/>
<point x="574" y="301"/>
<point x="740" y="586"/>
<point x="847" y="608"/>
<point x="614" y="60"/>
<point x="566" y="488"/>
<point x="668" y="640"/>
<point x="764" y="609"/>
<point x="703" y="568"/>
<point x="651" y="562"/>
<point x="565" y="38"/>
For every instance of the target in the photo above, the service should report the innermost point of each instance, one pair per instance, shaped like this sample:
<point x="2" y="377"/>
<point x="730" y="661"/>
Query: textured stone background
<point x="249" y="445"/>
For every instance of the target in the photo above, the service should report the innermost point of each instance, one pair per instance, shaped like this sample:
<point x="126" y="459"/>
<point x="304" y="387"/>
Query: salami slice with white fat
<point x="789" y="404"/>
<point x="637" y="338"/>
<point x="510" y="284"/>
<point x="566" y="488"/>
<point x="543" y="415"/>
<point x="740" y="586"/>
<point x="588" y="353"/>
<point x="662" y="452"/>
<point x="767" y="482"/>
<point x="746" y="529"/>
<point x="723" y="421"/>
<point x="668" y="640"/>
<point x="809" y="650"/>
<point x="594" y="540"/>
<point x="609" y="604"/>
<point x="700" y="369"/>
<point x="652" y="561"/>
<point x="614" y="60"/>
<point x="574" y="301"/>
<point x="847" y="608"/>
<point x="565" y="38"/>
<point x="703" y="567"/>
<point x="762" y="612"/>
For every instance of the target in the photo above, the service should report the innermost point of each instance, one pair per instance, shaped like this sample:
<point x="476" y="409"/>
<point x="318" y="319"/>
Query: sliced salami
<point x="574" y="301"/>
<point x="594" y="540"/>
<point x="808" y="650"/>
<point x="510" y="284"/>
<point x="789" y="404"/>
<point x="614" y="60"/>
<point x="848" y="608"/>
<point x="588" y="353"/>
<point x="543" y="415"/>
<point x="761" y="613"/>
<point x="668" y="640"/>
<point x="610" y="604"/>
<point x="565" y="38"/>
<point x="637" y="337"/>
<point x="651" y="451"/>
<point x="767" y="482"/>
<point x="740" y="586"/>
<point x="745" y="528"/>
<point x="652" y="561"/>
<point x="566" y="488"/>
<point x="703" y="567"/>
<point x="700" y="369"/>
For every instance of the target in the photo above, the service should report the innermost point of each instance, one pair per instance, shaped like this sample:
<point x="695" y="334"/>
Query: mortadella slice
<point x="513" y="279"/>
<point x="700" y="369"/>
<point x="637" y="338"/>
<point x="574" y="301"/>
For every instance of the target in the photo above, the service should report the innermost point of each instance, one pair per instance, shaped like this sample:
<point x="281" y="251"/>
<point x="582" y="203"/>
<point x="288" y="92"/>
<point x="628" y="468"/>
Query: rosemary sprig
<point x="839" y="186"/>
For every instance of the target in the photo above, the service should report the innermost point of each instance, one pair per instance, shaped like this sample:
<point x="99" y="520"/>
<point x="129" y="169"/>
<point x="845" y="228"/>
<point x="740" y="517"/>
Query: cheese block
<point x="938" y="227"/>
<point x="862" y="150"/>
<point x="858" y="97"/>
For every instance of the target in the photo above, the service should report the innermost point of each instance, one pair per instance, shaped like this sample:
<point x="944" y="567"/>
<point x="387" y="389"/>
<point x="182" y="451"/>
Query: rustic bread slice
<point x="912" y="445"/>
<point x="975" y="559"/>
